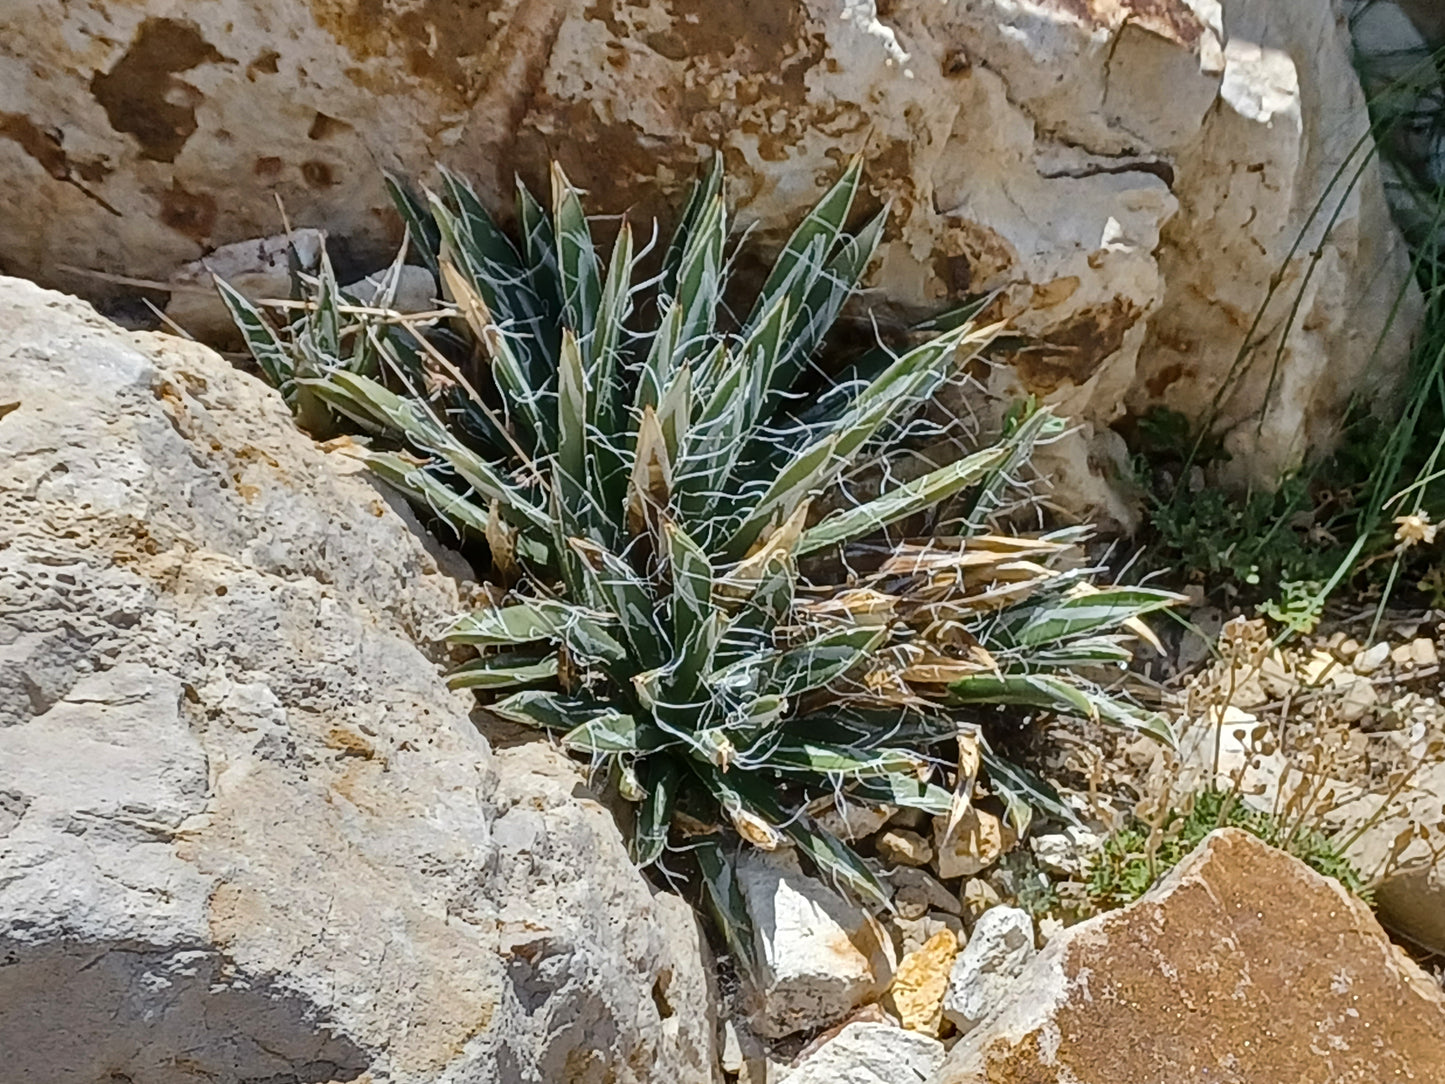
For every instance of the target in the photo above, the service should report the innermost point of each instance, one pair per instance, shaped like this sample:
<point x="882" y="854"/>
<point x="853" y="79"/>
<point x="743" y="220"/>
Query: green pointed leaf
<point x="910" y="379"/>
<point x="826" y="759"/>
<point x="707" y="188"/>
<point x="849" y="524"/>
<point x="1105" y="609"/>
<point x="420" y="226"/>
<point x="820" y="229"/>
<point x="829" y="656"/>
<point x="905" y="789"/>
<point x="1057" y="695"/>
<point x="540" y="619"/>
<point x="824" y="301"/>
<point x="628" y="597"/>
<point x="725" y="901"/>
<point x="610" y="732"/>
<point x="270" y="353"/>
<point x="577" y="262"/>
<point x="372" y="404"/>
<point x="691" y="602"/>
<point x="550" y="710"/>
<point x="492" y="672"/>
<point x="649" y="836"/>
<point x="1024" y="690"/>
<point x="570" y="475"/>
<point x="1023" y="792"/>
<point x="836" y="862"/>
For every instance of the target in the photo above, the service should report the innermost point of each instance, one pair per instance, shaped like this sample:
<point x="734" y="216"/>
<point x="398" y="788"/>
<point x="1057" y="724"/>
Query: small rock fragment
<point x="1050" y="926"/>
<point x="916" y="996"/>
<point x="908" y="817"/>
<point x="414" y="289"/>
<point x="852" y="820"/>
<point x="901" y="847"/>
<point x="1001" y="946"/>
<point x="916" y="892"/>
<point x="1277" y="675"/>
<point x="978" y="896"/>
<point x="1423" y="652"/>
<point x="979" y="841"/>
<point x="1358" y="698"/>
<point x="258" y="268"/>
<point x="819" y="956"/>
<point x="913" y="933"/>
<point x="1367" y="662"/>
<point x="1321" y="666"/>
<point x="1066" y="852"/>
<point x="872" y="1054"/>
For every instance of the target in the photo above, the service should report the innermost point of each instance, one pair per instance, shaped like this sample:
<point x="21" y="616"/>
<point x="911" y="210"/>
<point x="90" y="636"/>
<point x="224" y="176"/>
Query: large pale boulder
<point x="246" y="833"/>
<point x="1133" y="175"/>
<point x="1241" y="965"/>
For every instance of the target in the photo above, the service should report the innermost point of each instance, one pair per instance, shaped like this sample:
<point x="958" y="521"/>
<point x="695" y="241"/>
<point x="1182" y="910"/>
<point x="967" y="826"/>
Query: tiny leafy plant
<point x="694" y="590"/>
<point x="1136" y="856"/>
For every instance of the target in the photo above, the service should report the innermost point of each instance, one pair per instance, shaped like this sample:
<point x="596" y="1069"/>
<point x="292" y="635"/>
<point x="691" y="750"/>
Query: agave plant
<point x="658" y="481"/>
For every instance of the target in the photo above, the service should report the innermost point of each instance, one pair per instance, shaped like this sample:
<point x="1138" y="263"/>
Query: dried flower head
<point x="1415" y="528"/>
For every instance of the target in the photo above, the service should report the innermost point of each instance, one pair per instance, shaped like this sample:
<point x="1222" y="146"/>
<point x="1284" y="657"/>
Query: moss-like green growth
<point x="1126" y="866"/>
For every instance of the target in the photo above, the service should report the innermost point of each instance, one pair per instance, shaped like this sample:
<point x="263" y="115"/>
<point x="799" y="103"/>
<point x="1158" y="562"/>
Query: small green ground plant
<point x="1134" y="857"/>
<point x="701" y="585"/>
<point x="1361" y="517"/>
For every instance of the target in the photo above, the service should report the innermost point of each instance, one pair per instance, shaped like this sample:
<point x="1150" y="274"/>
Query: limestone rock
<point x="980" y="839"/>
<point x="1371" y="659"/>
<point x="819" y="955"/>
<point x="1210" y="976"/>
<point x="1135" y="234"/>
<point x="998" y="949"/>
<point x="851" y="820"/>
<point x="916" y="995"/>
<point x="977" y="897"/>
<point x="911" y="934"/>
<point x="1067" y="851"/>
<point x="246" y="832"/>
<point x="903" y="847"/>
<point x="872" y="1054"/>
<point x="916" y="892"/>
<point x="1395" y="849"/>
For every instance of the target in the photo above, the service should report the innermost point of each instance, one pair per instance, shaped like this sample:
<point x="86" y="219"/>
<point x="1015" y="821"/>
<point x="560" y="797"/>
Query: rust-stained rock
<point x="916" y="996"/>
<point x="1242" y="965"/>
<point x="1025" y="147"/>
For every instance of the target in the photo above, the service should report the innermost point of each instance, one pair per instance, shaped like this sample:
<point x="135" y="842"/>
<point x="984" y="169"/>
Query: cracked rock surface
<point x="246" y="833"/>
<point x="1134" y="176"/>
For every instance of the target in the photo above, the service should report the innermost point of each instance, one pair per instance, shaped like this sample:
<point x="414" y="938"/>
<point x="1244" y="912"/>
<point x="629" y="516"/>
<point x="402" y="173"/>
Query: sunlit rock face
<point x="1149" y="182"/>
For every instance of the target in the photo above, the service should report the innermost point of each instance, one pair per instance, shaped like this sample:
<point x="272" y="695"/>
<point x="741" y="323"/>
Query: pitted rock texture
<point x="1242" y="965"/>
<point x="246" y="833"/>
<point x="1134" y="174"/>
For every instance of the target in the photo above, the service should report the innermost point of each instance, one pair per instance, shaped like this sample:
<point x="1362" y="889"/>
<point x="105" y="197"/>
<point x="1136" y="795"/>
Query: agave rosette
<point x="647" y="468"/>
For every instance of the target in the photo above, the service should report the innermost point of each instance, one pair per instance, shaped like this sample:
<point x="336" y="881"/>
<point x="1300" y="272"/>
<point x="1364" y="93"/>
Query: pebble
<point x="1001" y="946"/>
<point x="902" y="847"/>
<point x="916" y="892"/>
<point x="1066" y="852"/>
<point x="978" y="896"/>
<point x="916" y="994"/>
<point x="1367" y="662"/>
<point x="980" y="839"/>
